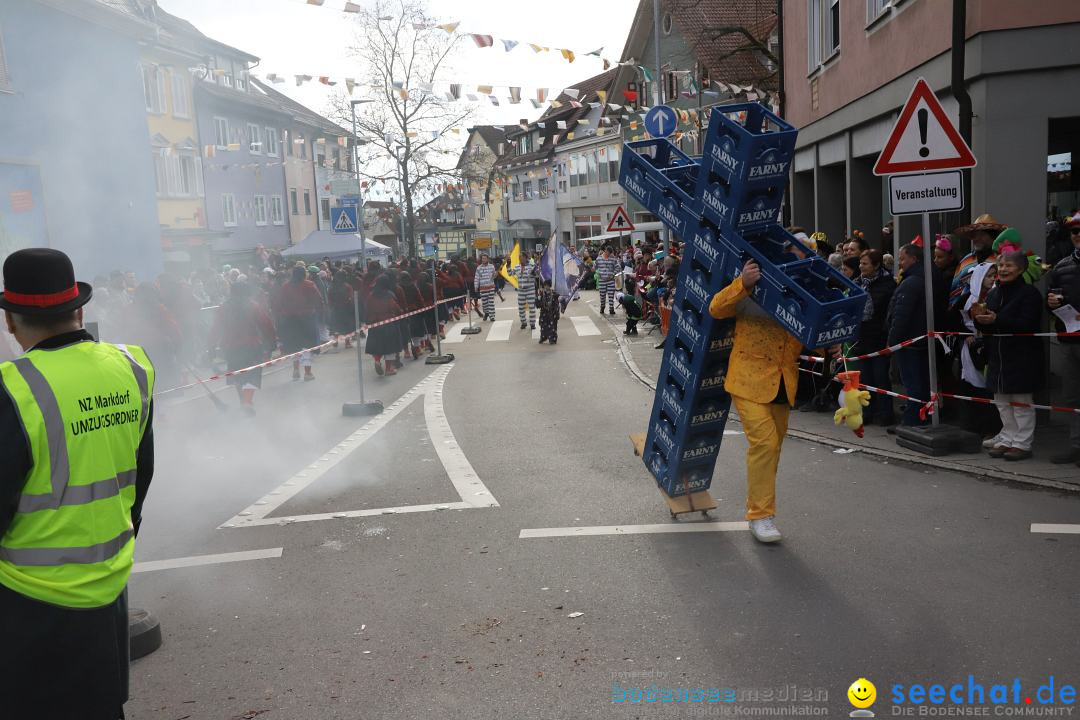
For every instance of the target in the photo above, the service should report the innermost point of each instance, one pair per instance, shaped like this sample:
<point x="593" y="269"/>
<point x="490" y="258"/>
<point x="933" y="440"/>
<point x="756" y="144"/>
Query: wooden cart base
<point x="700" y="501"/>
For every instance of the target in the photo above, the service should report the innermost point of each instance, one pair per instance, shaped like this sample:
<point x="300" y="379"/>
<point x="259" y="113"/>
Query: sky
<point x="292" y="38"/>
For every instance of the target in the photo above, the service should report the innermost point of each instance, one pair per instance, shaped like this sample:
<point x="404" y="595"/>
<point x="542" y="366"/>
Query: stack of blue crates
<point x="725" y="206"/>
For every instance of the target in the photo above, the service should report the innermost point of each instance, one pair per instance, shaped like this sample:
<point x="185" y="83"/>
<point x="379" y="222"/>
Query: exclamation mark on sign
<point x="924" y="116"/>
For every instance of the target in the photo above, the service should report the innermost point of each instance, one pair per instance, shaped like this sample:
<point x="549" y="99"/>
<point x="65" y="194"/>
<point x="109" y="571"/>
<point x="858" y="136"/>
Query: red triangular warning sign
<point x="923" y="138"/>
<point x="620" y="222"/>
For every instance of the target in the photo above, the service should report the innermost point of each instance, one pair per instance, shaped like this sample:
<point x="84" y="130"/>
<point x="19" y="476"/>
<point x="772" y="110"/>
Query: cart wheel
<point x="704" y="513"/>
<point x="672" y="513"/>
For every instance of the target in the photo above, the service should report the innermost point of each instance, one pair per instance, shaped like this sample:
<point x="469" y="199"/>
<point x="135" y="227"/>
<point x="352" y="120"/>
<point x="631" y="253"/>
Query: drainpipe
<point x="959" y="90"/>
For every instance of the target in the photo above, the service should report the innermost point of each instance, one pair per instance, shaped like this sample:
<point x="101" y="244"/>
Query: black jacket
<point x="1066" y="276"/>
<point x="907" y="311"/>
<point x="1015" y="363"/>
<point x="874" y="334"/>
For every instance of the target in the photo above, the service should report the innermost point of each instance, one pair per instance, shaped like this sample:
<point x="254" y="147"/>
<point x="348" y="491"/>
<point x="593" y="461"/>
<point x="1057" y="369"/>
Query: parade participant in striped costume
<point x="484" y="279"/>
<point x="606" y="267"/>
<point x="526" y="277"/>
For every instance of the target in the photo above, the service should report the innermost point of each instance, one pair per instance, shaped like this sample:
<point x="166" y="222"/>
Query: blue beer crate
<point x="663" y="179"/>
<point x="711" y="253"/>
<point x="808" y="297"/>
<point x="747" y="144"/>
<point x="744" y="168"/>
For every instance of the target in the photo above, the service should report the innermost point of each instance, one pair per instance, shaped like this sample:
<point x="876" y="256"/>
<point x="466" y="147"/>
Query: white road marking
<point x="500" y="330"/>
<point x="196" y="560"/>
<point x="472" y="491"/>
<point x="714" y="526"/>
<point x="458" y="468"/>
<point x="1056" y="529"/>
<point x="584" y="325"/>
<point x="453" y="335"/>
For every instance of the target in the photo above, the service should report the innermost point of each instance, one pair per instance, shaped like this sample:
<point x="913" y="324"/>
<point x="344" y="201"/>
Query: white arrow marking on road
<point x="473" y="492"/>
<point x="196" y="560"/>
<point x="1056" y="529"/>
<point x="714" y="526"/>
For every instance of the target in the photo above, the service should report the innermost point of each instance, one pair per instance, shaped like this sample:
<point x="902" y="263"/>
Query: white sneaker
<point x="764" y="530"/>
<point x="991" y="443"/>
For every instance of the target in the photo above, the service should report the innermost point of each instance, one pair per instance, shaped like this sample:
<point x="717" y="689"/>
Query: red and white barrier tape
<point x="274" y="361"/>
<point x="927" y="406"/>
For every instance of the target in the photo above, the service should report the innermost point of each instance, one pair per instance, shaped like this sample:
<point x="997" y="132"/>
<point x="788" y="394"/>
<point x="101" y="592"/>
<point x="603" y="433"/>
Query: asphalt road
<point x="440" y="609"/>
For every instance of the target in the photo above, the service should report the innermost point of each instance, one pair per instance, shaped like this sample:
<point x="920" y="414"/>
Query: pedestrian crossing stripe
<point x="344" y="223"/>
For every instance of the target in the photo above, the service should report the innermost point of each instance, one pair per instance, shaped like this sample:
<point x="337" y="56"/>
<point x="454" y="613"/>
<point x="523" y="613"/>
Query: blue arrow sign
<point x="343" y="220"/>
<point x="661" y="121"/>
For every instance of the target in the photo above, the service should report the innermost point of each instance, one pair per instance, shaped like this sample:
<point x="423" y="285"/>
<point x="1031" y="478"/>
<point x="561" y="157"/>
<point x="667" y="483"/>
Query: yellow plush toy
<point x="852" y="401"/>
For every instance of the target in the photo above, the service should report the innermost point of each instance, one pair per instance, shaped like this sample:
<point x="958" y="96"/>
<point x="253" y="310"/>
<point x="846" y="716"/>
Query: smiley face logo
<point x="862" y="693"/>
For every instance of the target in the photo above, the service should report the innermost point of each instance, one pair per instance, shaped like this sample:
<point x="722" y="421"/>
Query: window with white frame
<point x="542" y="187"/>
<point x="573" y="171"/>
<point x="307" y="203"/>
<point x="226" y="80"/>
<point x="515" y="190"/>
<point x="527" y="190"/>
<point x="875" y="9"/>
<point x="481" y="212"/>
<point x="161" y="170"/>
<point x="277" y="211"/>
<point x="592" y="173"/>
<point x="260" y="209"/>
<point x="221" y="133"/>
<point x="154" y="89"/>
<point x="583" y="171"/>
<point x="181" y="106"/>
<point x="824" y="32"/>
<point x="613" y="164"/>
<point x="5" y="78"/>
<point x="287" y="138"/>
<point x="324" y="207"/>
<point x="189" y="172"/>
<point x="271" y="142"/>
<point x="255" y="143"/>
<point x="292" y="201"/>
<point x="605" y="173"/>
<point x="228" y="210"/>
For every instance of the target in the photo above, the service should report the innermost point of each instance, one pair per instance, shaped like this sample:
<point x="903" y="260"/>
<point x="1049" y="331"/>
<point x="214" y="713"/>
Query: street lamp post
<point x="363" y="407"/>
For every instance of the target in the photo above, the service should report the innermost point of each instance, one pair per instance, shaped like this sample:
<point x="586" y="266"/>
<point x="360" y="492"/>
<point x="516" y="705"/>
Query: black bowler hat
<point x="41" y="281"/>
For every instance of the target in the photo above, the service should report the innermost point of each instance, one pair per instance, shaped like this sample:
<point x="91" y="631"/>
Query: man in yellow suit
<point x="762" y="377"/>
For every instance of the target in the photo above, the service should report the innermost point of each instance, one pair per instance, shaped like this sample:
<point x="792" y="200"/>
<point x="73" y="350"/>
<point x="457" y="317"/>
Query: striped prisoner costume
<point x="484" y="280"/>
<point x="526" y="277"/>
<point x="606" y="268"/>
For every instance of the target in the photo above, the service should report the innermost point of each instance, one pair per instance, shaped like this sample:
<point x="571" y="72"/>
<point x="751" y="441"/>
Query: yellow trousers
<point x="765" y="425"/>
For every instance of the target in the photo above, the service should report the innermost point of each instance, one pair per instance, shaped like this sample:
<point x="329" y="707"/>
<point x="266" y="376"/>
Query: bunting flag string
<point x="482" y="40"/>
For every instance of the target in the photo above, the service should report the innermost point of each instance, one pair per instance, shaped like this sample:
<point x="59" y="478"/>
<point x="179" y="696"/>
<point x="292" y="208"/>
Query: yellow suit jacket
<point x="763" y="351"/>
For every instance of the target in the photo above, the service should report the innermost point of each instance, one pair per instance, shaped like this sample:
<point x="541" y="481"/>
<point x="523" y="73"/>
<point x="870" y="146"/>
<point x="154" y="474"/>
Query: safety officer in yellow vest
<point x="76" y="459"/>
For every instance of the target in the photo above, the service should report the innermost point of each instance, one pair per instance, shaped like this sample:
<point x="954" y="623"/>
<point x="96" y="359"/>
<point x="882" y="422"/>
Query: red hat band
<point x="45" y="300"/>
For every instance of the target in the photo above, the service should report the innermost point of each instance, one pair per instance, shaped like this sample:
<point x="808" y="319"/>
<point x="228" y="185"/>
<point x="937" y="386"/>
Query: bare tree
<point x="405" y="133"/>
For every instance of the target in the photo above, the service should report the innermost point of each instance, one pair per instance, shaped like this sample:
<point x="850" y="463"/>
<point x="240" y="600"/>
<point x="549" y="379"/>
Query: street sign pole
<point x="363" y="407"/>
<point x="931" y="342"/>
<point x="438" y="358"/>
<point x="924" y="158"/>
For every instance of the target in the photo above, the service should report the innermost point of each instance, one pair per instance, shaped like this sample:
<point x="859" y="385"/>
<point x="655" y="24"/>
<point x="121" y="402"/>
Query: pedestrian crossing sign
<point x="343" y="220"/>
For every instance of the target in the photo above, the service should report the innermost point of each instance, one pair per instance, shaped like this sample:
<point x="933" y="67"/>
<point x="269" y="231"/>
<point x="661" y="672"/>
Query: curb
<point x="626" y="355"/>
